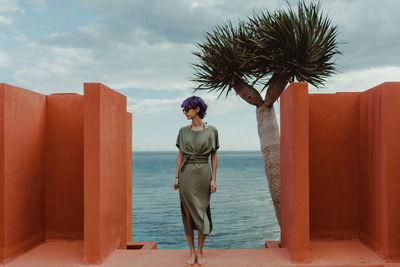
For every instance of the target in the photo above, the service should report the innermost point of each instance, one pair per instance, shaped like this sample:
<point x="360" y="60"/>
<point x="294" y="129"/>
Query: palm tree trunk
<point x="268" y="132"/>
<point x="247" y="93"/>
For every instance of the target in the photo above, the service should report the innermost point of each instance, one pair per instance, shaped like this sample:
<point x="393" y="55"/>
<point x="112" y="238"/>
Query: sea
<point x="242" y="211"/>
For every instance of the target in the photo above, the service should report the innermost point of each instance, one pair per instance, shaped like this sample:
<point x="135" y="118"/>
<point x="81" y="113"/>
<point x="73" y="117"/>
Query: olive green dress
<point x="195" y="175"/>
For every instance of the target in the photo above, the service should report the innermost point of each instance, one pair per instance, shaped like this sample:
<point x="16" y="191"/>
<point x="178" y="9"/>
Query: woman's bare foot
<point x="192" y="258"/>
<point x="200" y="258"/>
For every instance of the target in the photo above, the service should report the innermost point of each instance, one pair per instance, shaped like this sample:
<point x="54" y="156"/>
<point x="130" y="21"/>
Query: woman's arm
<point x="214" y="163"/>
<point x="178" y="165"/>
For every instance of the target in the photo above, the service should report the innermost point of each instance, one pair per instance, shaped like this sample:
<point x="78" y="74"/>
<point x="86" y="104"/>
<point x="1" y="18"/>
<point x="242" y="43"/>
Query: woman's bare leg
<point x="190" y="237"/>
<point x="200" y="258"/>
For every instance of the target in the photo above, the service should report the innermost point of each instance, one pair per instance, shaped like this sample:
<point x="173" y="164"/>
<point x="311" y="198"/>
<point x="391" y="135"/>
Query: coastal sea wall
<point x="65" y="164"/>
<point x="339" y="167"/>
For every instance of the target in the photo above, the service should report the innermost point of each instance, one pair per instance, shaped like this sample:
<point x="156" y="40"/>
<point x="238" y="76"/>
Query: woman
<point x="194" y="178"/>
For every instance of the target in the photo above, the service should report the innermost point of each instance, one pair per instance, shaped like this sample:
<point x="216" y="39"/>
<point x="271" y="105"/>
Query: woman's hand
<point x="176" y="184"/>
<point x="213" y="186"/>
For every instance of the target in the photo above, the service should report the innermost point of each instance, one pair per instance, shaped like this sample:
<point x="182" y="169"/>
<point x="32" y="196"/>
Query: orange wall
<point x="354" y="170"/>
<point x="23" y="135"/>
<point x="64" y="166"/>
<point x="294" y="171"/>
<point x="60" y="154"/>
<point x="334" y="158"/>
<point x="380" y="168"/>
<point x="129" y="178"/>
<point x="105" y="170"/>
<point x="2" y="178"/>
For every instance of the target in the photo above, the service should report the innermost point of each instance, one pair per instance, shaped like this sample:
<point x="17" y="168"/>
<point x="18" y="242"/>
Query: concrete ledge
<point x="141" y="245"/>
<point x="323" y="253"/>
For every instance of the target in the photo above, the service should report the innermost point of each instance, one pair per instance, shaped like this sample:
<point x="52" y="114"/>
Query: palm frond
<point x="222" y="58"/>
<point x="296" y="44"/>
<point x="292" y="43"/>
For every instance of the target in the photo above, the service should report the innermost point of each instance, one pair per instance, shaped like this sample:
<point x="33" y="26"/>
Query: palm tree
<point x="271" y="49"/>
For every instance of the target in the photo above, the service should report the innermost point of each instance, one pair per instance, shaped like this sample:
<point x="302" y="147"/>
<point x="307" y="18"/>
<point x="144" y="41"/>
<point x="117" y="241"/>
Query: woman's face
<point x="190" y="112"/>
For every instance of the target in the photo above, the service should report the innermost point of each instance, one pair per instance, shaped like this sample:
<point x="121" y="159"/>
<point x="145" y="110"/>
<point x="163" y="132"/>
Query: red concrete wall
<point x="380" y="169"/>
<point x="129" y="163"/>
<point x="2" y="178"/>
<point x="354" y="170"/>
<point x="64" y="167"/>
<point x="22" y="135"/>
<point x="53" y="150"/>
<point x="294" y="171"/>
<point x="105" y="172"/>
<point x="334" y="158"/>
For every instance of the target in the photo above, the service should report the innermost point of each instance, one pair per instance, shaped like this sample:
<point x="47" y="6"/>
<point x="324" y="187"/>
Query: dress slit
<point x="206" y="220"/>
<point x="194" y="227"/>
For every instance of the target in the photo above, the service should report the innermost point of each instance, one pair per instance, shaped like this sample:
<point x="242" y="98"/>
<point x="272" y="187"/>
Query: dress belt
<point x="193" y="159"/>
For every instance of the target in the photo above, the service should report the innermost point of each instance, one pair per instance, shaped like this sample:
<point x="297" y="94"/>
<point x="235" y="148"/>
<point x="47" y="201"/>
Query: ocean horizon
<point x="242" y="211"/>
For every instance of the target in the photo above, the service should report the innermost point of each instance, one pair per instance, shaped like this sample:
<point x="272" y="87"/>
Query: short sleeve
<point x="215" y="141"/>
<point x="178" y="139"/>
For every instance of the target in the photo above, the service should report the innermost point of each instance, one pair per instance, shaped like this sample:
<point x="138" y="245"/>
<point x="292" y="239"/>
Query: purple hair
<point x="194" y="102"/>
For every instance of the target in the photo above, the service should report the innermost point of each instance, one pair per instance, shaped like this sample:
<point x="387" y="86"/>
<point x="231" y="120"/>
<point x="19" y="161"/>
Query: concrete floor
<point x="323" y="253"/>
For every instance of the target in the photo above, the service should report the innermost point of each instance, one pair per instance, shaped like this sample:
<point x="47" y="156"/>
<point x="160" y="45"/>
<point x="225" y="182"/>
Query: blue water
<point x="241" y="209"/>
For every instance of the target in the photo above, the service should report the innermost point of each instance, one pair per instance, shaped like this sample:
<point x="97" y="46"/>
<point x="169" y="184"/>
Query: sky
<point x="143" y="49"/>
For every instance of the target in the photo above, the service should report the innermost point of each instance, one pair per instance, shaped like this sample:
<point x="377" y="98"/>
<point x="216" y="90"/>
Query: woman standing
<point x="194" y="178"/>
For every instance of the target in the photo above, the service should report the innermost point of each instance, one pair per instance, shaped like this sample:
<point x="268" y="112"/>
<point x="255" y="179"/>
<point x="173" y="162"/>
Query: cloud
<point x="130" y="44"/>
<point x="222" y="106"/>
<point x="8" y="6"/>
<point x="7" y="10"/>
<point x="20" y="37"/>
<point x="4" y="60"/>
<point x="160" y="66"/>
<point x="173" y="20"/>
<point x="150" y="106"/>
<point x="38" y="5"/>
<point x="123" y="55"/>
<point x="5" y="20"/>
<point x="370" y="30"/>
<point x="359" y="80"/>
<point x="62" y="69"/>
<point x="148" y="44"/>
